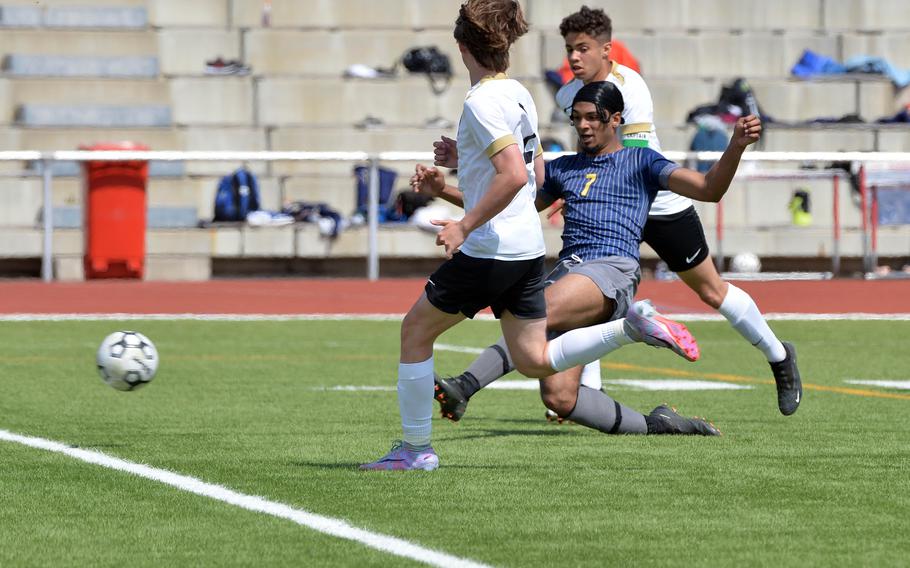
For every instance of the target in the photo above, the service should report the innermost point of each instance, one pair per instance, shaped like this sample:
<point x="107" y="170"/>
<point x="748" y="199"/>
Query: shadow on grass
<point x="473" y="435"/>
<point x="356" y="466"/>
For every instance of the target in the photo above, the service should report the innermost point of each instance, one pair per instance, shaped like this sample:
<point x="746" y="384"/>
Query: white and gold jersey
<point x="499" y="112"/>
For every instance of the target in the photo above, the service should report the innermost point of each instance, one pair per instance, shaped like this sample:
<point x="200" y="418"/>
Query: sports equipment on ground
<point x="401" y="458"/>
<point x="127" y="360"/>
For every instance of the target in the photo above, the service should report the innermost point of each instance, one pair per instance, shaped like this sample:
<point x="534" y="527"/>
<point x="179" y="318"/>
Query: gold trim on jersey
<point x="497" y="145"/>
<point x="636" y="128"/>
<point x="615" y="72"/>
<point x="496" y="77"/>
<point x="539" y="151"/>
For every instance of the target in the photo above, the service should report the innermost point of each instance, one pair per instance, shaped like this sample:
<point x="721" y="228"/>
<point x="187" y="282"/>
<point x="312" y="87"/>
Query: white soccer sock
<point x="740" y="310"/>
<point x="590" y="375"/>
<point x="587" y="344"/>
<point x="415" y="401"/>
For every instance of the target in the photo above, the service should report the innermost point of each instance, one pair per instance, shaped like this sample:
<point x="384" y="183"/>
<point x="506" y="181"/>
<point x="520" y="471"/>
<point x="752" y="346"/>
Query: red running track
<point x="355" y="296"/>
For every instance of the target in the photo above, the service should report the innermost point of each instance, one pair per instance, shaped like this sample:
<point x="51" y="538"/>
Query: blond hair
<point x="488" y="28"/>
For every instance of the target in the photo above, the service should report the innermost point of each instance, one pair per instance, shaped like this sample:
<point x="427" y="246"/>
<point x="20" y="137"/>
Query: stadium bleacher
<point x="79" y="72"/>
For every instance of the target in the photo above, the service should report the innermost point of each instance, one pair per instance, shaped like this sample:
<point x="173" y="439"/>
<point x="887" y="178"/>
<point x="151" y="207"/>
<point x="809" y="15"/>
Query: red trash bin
<point x="114" y="215"/>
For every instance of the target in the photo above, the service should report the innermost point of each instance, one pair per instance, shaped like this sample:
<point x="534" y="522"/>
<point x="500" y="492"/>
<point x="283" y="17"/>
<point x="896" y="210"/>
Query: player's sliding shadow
<point x="356" y="466"/>
<point x="504" y="433"/>
<point x="325" y="465"/>
<point x="532" y="421"/>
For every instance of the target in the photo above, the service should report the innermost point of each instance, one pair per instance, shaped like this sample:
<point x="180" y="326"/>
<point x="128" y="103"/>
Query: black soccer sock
<point x="468" y="383"/>
<point x="596" y="410"/>
<point x="491" y="364"/>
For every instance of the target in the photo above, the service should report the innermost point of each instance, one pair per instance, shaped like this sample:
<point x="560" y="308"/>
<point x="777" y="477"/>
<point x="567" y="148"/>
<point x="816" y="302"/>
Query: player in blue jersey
<point x="608" y="190"/>
<point x="673" y="229"/>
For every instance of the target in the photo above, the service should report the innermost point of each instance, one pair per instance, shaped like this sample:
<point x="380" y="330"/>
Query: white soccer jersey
<point x="638" y="128"/>
<point x="499" y="112"/>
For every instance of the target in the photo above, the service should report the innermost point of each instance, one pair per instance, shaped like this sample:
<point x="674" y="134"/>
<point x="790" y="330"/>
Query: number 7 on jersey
<point x="591" y="179"/>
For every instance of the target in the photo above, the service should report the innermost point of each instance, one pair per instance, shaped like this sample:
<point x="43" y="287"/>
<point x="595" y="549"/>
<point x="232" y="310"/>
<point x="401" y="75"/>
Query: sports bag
<point x="237" y="195"/>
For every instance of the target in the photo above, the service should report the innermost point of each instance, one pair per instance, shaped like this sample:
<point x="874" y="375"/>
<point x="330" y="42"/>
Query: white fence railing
<point x="869" y="204"/>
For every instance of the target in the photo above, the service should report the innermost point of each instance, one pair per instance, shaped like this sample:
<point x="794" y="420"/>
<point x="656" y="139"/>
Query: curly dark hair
<point x="594" y="22"/>
<point x="488" y="28"/>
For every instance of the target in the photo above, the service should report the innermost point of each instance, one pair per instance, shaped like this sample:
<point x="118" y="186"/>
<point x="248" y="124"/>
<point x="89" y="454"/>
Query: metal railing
<point x="869" y="204"/>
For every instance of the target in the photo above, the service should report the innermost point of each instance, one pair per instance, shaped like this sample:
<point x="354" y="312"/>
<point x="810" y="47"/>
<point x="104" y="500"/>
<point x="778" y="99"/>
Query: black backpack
<point x="432" y="62"/>
<point x="426" y="60"/>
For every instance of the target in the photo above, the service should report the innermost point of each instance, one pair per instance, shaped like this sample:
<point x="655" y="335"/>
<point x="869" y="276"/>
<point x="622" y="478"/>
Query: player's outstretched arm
<point x="713" y="185"/>
<point x="431" y="181"/>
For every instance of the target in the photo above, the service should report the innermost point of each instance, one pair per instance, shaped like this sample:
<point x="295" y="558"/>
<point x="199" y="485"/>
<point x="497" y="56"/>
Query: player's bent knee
<point x="562" y="403"/>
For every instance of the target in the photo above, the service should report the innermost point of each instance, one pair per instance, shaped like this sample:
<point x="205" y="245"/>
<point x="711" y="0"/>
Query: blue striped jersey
<point x="607" y="198"/>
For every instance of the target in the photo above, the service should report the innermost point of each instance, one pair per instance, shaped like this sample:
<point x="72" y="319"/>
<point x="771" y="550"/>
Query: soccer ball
<point x="127" y="360"/>
<point x="745" y="262"/>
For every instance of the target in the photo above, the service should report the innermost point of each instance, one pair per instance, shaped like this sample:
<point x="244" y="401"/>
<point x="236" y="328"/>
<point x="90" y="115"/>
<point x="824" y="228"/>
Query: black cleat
<point x="452" y="400"/>
<point x="665" y="420"/>
<point x="789" y="385"/>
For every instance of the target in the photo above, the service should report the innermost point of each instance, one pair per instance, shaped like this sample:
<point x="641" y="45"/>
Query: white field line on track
<point x="319" y="523"/>
<point x="855" y="316"/>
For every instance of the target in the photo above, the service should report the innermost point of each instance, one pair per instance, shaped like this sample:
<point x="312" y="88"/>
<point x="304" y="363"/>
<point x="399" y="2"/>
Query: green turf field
<point x="242" y="404"/>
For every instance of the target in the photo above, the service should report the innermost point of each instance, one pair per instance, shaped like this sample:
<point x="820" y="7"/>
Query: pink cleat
<point x="659" y="331"/>
<point x="400" y="458"/>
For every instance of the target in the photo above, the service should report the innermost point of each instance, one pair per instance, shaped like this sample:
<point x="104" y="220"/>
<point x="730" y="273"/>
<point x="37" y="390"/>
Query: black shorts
<point x="678" y="239"/>
<point x="467" y="285"/>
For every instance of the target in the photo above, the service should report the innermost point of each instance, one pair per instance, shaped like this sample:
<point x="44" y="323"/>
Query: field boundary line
<point x="744" y="379"/>
<point x="725" y="377"/>
<point x="319" y="523"/>
<point x="855" y="316"/>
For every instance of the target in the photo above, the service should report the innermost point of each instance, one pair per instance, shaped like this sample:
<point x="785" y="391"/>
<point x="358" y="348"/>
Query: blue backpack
<point x="237" y="195"/>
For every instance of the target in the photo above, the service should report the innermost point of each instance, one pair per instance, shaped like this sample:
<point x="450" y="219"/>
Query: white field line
<point x="319" y="523"/>
<point x="904" y="385"/>
<point x="857" y="316"/>
<point x="458" y="348"/>
<point x="534" y="385"/>
<point x="676" y="385"/>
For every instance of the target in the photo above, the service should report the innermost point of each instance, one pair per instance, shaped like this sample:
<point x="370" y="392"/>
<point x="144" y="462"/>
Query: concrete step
<point x="205" y="13"/>
<point x="80" y="66"/>
<point x="401" y="14"/>
<point x="689" y="14"/>
<point x="185" y="51"/>
<point x="75" y="169"/>
<point x="47" y="139"/>
<point x="221" y="101"/>
<point x="71" y="217"/>
<point x="867" y="15"/>
<point x="20" y="17"/>
<point x="104" y="43"/>
<point x="214" y="138"/>
<point x="157" y="268"/>
<point x="16" y="92"/>
<point x="116" y="17"/>
<point x="100" y="116"/>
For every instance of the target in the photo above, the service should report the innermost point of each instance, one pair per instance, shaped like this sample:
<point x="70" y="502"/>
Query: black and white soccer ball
<point x="127" y="360"/>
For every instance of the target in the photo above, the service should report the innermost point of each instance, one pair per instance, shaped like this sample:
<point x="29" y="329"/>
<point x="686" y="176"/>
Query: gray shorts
<point x="616" y="276"/>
